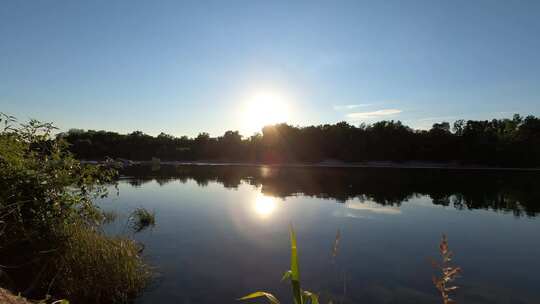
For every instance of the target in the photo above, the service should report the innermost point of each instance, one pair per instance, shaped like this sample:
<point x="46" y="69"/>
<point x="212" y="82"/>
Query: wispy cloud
<point x="351" y="106"/>
<point x="373" y="114"/>
<point x="425" y="122"/>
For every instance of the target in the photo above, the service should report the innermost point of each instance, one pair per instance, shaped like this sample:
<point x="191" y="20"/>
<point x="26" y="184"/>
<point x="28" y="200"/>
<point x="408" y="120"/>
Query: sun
<point x="264" y="108"/>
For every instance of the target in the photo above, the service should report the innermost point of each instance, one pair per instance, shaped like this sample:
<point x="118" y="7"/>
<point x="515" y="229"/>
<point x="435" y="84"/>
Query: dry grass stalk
<point x="448" y="272"/>
<point x="335" y="248"/>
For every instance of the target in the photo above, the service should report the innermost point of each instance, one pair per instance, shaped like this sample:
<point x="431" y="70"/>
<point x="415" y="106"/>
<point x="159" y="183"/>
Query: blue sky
<point x="185" y="67"/>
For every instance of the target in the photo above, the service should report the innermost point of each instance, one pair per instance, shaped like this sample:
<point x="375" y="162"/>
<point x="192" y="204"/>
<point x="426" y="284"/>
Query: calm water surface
<point x="222" y="232"/>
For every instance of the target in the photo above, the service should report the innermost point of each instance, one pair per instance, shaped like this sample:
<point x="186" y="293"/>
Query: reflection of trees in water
<point x="137" y="183"/>
<point x="495" y="201"/>
<point x="518" y="192"/>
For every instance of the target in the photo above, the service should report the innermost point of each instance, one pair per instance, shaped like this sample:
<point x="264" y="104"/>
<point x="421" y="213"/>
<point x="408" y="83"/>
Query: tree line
<point x="497" y="142"/>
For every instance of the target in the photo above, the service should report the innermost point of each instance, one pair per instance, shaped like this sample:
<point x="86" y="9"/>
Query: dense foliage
<point x="50" y="240"/>
<point x="503" y="142"/>
<point x="41" y="184"/>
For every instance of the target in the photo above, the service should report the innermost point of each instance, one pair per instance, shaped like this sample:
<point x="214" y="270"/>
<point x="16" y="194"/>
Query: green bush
<point x="51" y="241"/>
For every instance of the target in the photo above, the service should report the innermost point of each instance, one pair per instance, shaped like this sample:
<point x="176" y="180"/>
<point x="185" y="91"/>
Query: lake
<point x="222" y="231"/>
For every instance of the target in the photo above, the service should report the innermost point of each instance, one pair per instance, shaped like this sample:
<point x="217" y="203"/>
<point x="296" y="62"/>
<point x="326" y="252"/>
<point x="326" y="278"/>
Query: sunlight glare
<point x="265" y="108"/>
<point x="264" y="205"/>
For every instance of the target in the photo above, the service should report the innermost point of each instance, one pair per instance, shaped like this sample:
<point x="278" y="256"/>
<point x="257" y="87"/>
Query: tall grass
<point x="94" y="268"/>
<point x="109" y="217"/>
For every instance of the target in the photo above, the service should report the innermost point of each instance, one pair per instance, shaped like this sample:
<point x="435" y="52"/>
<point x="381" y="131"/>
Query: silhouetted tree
<point x="500" y="142"/>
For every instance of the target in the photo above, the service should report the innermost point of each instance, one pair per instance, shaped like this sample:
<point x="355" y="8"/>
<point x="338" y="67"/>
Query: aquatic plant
<point x="142" y="219"/>
<point x="448" y="272"/>
<point x="293" y="275"/>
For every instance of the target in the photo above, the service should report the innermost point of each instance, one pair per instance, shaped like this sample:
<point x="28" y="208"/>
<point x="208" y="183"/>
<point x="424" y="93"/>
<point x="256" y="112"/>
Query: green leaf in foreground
<point x="299" y="296"/>
<point x="271" y="298"/>
<point x="286" y="275"/>
<point x="309" y="296"/>
<point x="295" y="271"/>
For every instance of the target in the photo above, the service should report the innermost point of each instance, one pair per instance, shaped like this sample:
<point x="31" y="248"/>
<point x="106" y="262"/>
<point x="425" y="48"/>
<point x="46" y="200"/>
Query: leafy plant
<point x="448" y="272"/>
<point x="299" y="296"/>
<point x="41" y="183"/>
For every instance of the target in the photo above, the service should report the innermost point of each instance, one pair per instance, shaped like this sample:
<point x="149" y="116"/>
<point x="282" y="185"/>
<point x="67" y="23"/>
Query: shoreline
<point x="328" y="164"/>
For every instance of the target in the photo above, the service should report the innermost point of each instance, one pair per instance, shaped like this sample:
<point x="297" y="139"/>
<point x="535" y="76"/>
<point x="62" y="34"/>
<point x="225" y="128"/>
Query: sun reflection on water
<point x="264" y="206"/>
